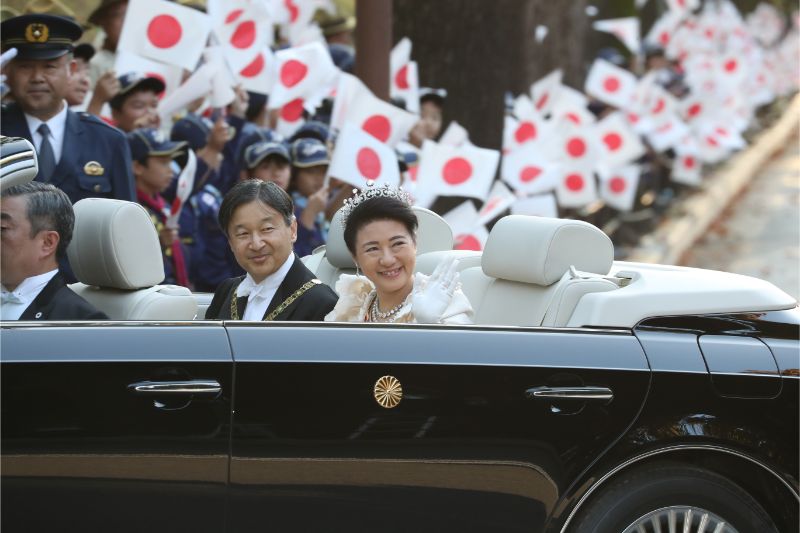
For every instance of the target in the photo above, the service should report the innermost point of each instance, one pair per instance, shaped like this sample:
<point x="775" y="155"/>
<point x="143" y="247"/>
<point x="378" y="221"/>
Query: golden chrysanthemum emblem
<point x="388" y="391"/>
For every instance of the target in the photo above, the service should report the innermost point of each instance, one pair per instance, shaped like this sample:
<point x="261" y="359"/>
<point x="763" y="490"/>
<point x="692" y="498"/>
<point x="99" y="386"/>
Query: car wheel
<point x="672" y="498"/>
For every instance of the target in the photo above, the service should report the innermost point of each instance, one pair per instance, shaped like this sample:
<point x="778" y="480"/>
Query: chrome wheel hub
<point x="680" y="519"/>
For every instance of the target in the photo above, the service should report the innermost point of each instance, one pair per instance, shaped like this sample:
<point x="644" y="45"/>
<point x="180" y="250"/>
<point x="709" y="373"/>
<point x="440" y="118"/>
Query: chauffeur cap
<point x="39" y="36"/>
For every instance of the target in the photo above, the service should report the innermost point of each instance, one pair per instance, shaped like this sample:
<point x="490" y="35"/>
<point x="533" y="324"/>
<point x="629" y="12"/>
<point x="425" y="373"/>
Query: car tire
<point x="670" y="494"/>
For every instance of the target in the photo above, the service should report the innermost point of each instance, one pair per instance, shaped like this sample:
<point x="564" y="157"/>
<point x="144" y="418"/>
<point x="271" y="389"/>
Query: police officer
<point x="77" y="152"/>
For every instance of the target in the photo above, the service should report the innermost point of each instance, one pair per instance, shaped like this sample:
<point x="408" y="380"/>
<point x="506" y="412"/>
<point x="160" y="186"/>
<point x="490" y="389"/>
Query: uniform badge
<point x="38" y="315"/>
<point x="37" y="33"/>
<point x="93" y="168"/>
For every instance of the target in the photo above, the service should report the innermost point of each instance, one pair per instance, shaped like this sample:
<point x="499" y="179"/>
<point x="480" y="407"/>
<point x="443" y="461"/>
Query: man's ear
<point x="293" y="228"/>
<point x="138" y="168"/>
<point x="50" y="240"/>
<point x="72" y="67"/>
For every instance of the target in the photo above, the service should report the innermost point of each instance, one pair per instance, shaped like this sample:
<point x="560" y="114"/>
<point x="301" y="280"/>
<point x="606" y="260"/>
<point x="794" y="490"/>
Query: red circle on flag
<point x="613" y="141"/>
<point x="293" y="72"/>
<point x="617" y="185"/>
<point x="633" y="118"/>
<point x="294" y="11"/>
<point x="368" y="163"/>
<point x="664" y="38"/>
<point x="712" y="141"/>
<point x="164" y="31"/>
<point x="694" y="110"/>
<point x="525" y="131"/>
<point x="611" y="84"/>
<point x="467" y="242"/>
<point x="292" y="111"/>
<point x="254" y="68"/>
<point x="542" y="101"/>
<point x="659" y="107"/>
<point x="722" y="131"/>
<point x="401" y="78"/>
<point x="574" y="182"/>
<point x="574" y="118"/>
<point x="378" y="126"/>
<point x="688" y="161"/>
<point x="244" y="35"/>
<point x="456" y="171"/>
<point x="233" y="15"/>
<point x="576" y="147"/>
<point x="731" y="65"/>
<point x="529" y="174"/>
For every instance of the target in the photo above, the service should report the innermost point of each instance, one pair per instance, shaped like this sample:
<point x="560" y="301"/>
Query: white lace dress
<point x="357" y="292"/>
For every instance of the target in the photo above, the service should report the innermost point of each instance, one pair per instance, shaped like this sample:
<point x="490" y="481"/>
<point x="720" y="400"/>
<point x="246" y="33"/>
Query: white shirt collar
<point x="268" y="286"/>
<point x="25" y="293"/>
<point x="57" y="125"/>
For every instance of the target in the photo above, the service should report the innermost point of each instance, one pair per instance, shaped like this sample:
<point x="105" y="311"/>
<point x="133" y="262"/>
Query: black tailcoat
<point x="58" y="302"/>
<point x="313" y="305"/>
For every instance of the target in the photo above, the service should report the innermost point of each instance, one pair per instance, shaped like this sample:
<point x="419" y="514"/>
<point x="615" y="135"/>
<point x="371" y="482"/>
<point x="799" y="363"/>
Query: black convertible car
<point x="590" y="395"/>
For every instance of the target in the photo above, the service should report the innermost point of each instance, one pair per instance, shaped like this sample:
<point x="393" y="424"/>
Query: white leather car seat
<point x="534" y="270"/>
<point x="116" y="256"/>
<point x="332" y="260"/>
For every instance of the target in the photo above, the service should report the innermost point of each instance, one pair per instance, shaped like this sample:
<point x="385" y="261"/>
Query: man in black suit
<point x="77" y="152"/>
<point x="258" y="218"/>
<point x="37" y="221"/>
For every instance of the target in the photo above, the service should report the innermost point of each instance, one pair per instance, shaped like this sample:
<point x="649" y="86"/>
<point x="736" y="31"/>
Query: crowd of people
<point x="103" y="133"/>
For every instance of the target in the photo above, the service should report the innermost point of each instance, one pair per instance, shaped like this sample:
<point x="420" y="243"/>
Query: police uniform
<point x="95" y="159"/>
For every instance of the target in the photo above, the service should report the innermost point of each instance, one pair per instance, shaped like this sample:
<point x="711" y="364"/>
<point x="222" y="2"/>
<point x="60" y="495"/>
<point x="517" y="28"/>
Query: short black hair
<point x="251" y="190"/>
<point x="379" y="208"/>
<point x="48" y="208"/>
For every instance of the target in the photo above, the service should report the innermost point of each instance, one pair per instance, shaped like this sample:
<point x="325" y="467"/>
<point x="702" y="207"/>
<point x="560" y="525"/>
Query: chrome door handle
<point x="571" y="393"/>
<point x="195" y="387"/>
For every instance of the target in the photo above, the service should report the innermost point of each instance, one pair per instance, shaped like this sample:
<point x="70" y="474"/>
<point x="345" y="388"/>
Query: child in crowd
<point x="152" y="156"/>
<point x="79" y="84"/>
<point x="268" y="161"/>
<point x="134" y="106"/>
<point x="310" y="194"/>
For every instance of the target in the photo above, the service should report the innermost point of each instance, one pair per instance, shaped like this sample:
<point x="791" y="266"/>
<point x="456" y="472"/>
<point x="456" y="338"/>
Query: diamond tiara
<point x="371" y="191"/>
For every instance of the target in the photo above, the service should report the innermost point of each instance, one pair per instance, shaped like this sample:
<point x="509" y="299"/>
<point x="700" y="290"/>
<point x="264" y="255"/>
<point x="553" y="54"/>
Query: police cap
<point x="39" y="36"/>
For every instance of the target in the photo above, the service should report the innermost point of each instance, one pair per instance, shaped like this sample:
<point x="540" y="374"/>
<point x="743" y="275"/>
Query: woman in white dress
<point x="380" y="232"/>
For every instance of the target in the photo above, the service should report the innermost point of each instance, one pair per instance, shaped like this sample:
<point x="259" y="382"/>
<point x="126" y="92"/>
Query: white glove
<point x="430" y="301"/>
<point x="7" y="56"/>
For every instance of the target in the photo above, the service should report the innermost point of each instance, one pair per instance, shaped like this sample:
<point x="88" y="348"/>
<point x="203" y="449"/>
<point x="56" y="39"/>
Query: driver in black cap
<point x="77" y="152"/>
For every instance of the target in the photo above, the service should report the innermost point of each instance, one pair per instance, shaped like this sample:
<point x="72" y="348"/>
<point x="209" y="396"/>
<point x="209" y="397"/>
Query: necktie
<point x="47" y="158"/>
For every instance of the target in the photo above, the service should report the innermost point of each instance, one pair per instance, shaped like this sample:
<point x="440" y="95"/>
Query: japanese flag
<point x="384" y="121"/>
<point x="183" y="190"/>
<point x="500" y="199"/>
<point x="572" y="105"/>
<point x="290" y="117"/>
<point x="667" y="133"/>
<point x="404" y="78"/>
<point x="661" y="32"/>
<point x="693" y="107"/>
<point x="610" y="84"/>
<point x="545" y="92"/>
<point x="619" y="144"/>
<point x="523" y="106"/>
<point x="360" y="157"/>
<point x="243" y="29"/>
<point x="625" y="29"/>
<point x="454" y="135"/>
<point x="618" y="186"/>
<point x="198" y="85"/>
<point x="259" y="75"/>
<point x="682" y="7"/>
<point x="686" y="168"/>
<point x="528" y="171"/>
<point x="573" y="144"/>
<point x="576" y="186"/>
<point x="468" y="234"/>
<point x="456" y="171"/>
<point x="348" y="89"/>
<point x="301" y="71"/>
<point x="526" y="130"/>
<point x="541" y="205"/>
<point x="165" y="31"/>
<point x="170" y="75"/>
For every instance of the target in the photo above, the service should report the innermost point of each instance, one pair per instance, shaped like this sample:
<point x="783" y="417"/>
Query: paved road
<point x="759" y="235"/>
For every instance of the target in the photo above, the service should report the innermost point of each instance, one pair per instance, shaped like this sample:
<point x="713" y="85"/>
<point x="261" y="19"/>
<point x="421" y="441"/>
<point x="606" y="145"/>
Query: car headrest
<point x="115" y="245"/>
<point x="433" y="234"/>
<point x="540" y="250"/>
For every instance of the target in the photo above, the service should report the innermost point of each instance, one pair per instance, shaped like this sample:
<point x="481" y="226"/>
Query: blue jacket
<point x="86" y="138"/>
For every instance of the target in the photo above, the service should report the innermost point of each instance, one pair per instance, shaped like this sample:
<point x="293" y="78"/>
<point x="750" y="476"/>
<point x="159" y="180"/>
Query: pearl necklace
<point x="389" y="316"/>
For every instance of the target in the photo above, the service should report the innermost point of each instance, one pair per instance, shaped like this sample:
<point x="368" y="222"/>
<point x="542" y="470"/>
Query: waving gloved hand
<point x="430" y="300"/>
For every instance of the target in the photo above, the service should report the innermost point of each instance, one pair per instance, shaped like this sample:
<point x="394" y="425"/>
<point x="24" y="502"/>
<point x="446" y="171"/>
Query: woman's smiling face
<point x="386" y="253"/>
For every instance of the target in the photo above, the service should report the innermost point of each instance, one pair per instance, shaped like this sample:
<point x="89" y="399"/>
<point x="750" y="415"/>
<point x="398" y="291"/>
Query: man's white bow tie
<point x="250" y="289"/>
<point x="10" y="298"/>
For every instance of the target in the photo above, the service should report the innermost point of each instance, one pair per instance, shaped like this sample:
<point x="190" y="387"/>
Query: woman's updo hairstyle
<point x="378" y="208"/>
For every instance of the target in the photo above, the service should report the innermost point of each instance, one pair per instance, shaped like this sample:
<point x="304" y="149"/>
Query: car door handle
<point x="571" y="393"/>
<point x="195" y="387"/>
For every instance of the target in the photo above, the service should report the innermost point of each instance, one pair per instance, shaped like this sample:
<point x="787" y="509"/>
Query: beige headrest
<point x="115" y="245"/>
<point x="540" y="250"/>
<point x="433" y="234"/>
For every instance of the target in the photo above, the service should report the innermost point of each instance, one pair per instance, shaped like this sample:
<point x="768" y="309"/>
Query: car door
<point x="114" y="426"/>
<point x="492" y="424"/>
